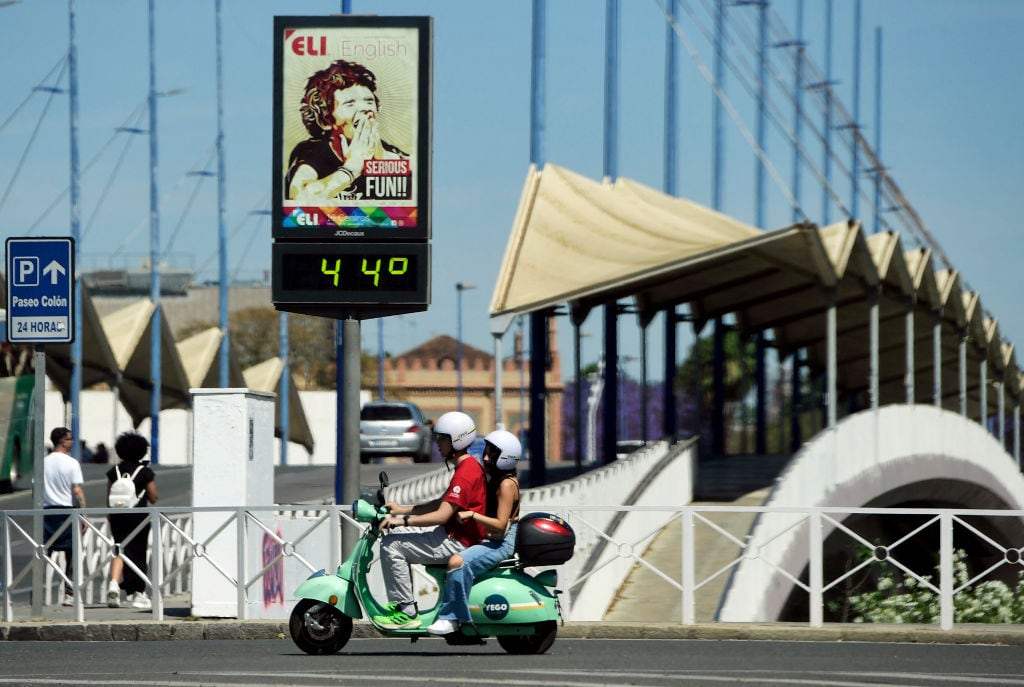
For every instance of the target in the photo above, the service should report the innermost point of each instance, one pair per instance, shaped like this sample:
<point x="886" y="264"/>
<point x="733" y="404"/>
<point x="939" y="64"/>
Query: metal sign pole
<point x="38" y="417"/>
<point x="40" y="295"/>
<point x="349" y="420"/>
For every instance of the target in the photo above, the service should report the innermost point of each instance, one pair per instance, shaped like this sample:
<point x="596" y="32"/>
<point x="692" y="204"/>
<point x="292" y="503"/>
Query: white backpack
<point x="122" y="491"/>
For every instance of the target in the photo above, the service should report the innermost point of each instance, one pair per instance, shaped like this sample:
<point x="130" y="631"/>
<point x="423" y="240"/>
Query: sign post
<point x="351" y="184"/>
<point x="40" y="310"/>
<point x="351" y="165"/>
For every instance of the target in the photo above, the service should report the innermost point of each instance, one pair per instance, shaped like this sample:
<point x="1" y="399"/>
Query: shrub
<point x="905" y="599"/>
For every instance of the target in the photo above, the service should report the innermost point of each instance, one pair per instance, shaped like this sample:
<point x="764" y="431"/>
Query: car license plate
<point x="383" y="443"/>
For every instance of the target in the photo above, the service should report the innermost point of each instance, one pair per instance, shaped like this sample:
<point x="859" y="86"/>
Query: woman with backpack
<point x="501" y="454"/>
<point x="130" y="484"/>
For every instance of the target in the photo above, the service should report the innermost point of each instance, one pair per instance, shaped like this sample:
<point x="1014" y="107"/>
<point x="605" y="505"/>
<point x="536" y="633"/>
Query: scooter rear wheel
<point x="319" y="628"/>
<point x="536" y="643"/>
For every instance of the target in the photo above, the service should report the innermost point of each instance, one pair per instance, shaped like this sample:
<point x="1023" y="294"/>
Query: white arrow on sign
<point x="54" y="269"/>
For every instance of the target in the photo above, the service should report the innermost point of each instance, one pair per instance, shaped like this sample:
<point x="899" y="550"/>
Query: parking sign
<point x="40" y="290"/>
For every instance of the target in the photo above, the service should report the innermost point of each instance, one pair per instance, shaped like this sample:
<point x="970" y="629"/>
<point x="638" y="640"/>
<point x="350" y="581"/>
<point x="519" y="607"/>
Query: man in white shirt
<point x="62" y="488"/>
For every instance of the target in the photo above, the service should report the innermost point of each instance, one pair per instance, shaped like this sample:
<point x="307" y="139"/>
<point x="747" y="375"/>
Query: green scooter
<point x="519" y="609"/>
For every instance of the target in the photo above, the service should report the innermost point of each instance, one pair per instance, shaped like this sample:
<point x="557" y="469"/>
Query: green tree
<point x="739" y="367"/>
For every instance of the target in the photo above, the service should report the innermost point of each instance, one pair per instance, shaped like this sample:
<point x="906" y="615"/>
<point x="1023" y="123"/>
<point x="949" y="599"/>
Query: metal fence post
<point x="946" y="581"/>
<point x="688" y="548"/>
<point x="240" y="569"/>
<point x="6" y="571"/>
<point x="335" y="538"/>
<point x="815" y="576"/>
<point x="156" y="572"/>
<point x="76" y="560"/>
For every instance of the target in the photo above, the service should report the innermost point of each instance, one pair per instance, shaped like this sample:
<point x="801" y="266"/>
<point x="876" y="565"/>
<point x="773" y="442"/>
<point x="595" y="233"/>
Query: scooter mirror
<point x="383" y="477"/>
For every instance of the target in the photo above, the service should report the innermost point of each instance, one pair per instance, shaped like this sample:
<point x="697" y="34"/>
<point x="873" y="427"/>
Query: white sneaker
<point x="443" y="627"/>
<point x="69" y="600"/>
<point x="113" y="595"/>
<point x="140" y="600"/>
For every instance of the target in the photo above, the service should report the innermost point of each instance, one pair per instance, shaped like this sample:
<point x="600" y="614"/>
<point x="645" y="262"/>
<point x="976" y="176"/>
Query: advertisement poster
<point x="353" y="118"/>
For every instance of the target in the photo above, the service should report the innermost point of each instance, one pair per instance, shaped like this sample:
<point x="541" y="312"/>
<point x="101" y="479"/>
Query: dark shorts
<point x="52" y="523"/>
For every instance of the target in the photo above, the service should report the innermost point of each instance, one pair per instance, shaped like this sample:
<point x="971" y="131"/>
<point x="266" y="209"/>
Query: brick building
<point x="427" y="376"/>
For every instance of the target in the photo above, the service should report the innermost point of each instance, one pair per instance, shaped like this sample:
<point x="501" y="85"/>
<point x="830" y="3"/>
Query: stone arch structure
<point x="870" y="459"/>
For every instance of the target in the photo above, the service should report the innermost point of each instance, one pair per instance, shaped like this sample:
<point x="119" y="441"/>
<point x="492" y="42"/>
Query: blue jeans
<point x="477" y="559"/>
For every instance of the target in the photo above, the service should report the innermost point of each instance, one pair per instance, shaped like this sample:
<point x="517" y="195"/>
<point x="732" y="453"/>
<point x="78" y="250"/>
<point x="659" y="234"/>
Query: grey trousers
<point x="406" y="546"/>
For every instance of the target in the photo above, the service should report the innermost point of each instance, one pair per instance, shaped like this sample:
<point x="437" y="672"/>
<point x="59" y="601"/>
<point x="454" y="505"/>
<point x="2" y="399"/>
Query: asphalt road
<point x="292" y="483"/>
<point x="570" y="662"/>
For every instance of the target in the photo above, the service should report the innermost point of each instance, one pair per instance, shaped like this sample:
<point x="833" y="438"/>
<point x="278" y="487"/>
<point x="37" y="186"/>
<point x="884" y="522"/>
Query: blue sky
<point x="951" y="107"/>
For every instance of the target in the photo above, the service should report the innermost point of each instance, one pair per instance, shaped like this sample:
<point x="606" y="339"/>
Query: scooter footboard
<point x="333" y="590"/>
<point x="509" y="597"/>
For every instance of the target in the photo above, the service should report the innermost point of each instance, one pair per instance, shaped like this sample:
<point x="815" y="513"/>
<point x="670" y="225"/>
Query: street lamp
<point x="459" y="288"/>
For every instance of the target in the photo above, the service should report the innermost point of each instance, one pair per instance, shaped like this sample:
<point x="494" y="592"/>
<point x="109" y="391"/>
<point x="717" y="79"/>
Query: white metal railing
<point x="865" y="459"/>
<point x="275" y="547"/>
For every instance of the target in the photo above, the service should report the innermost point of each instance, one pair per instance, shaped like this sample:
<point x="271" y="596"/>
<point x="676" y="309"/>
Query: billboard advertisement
<point x="352" y="127"/>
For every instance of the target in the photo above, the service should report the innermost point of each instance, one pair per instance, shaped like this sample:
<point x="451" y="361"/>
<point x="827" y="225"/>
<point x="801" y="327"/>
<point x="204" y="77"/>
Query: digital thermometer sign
<point x="356" y="273"/>
<point x="351" y="165"/>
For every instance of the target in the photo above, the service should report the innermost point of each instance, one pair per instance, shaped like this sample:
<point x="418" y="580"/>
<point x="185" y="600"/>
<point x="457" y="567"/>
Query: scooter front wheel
<point x="319" y="628"/>
<point x="537" y="643"/>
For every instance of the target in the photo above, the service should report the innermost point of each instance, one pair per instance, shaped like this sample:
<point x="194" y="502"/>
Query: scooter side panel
<point x="510" y="597"/>
<point x="323" y="587"/>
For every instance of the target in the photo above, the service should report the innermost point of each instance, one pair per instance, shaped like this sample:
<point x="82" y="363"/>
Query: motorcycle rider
<point x="449" y="535"/>
<point x="502" y="451"/>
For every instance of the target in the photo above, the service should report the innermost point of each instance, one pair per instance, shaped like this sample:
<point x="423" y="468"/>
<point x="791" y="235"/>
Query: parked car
<point x="394" y="428"/>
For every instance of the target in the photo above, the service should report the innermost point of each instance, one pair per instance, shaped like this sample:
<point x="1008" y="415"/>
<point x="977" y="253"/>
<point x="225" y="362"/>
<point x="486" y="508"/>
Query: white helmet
<point x="459" y="427"/>
<point x="508" y="446"/>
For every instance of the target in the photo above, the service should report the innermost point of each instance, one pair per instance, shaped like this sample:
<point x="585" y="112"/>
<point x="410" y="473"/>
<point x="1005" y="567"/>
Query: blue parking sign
<point x="40" y="290"/>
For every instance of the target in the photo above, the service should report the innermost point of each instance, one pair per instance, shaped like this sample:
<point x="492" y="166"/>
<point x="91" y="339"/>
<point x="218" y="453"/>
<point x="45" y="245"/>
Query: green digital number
<point x="331" y="273"/>
<point x="375" y="271"/>
<point x="398" y="265"/>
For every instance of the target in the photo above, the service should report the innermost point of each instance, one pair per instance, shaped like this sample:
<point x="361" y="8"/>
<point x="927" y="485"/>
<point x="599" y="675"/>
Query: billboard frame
<point x="298" y="44"/>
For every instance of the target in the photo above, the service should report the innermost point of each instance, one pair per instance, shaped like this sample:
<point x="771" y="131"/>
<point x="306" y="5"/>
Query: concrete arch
<point x="870" y="459"/>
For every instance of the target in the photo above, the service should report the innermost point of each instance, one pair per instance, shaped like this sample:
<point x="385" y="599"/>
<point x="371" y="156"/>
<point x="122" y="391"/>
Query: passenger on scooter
<point x="454" y="433"/>
<point x="501" y="454"/>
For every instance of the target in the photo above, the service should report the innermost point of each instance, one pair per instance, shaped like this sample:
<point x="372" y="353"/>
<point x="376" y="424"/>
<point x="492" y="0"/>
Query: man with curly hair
<point x="339" y="110"/>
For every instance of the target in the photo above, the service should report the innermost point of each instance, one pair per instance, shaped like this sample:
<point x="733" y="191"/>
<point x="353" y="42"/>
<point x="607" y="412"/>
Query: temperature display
<point x="336" y="273"/>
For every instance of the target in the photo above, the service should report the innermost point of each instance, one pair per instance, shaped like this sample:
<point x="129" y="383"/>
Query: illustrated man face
<point x="353" y="107"/>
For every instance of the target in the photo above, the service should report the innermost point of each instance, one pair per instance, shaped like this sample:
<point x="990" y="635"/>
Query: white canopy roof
<point x="586" y="243"/>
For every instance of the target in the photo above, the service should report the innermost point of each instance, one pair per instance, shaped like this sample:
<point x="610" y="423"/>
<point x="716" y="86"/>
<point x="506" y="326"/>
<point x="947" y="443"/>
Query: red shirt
<point x="467" y="491"/>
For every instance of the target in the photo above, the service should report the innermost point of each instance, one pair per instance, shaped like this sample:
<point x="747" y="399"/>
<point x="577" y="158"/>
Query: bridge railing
<point x="277" y="547"/>
<point x="885" y="456"/>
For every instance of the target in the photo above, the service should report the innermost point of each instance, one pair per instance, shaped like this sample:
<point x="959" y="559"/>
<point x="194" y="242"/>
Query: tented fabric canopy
<point x="266" y="376"/>
<point x="585" y="243"/>
<point x="98" y="364"/>
<point x="200" y="356"/>
<point x="574" y="238"/>
<point x="129" y="331"/>
<point x="116" y="351"/>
